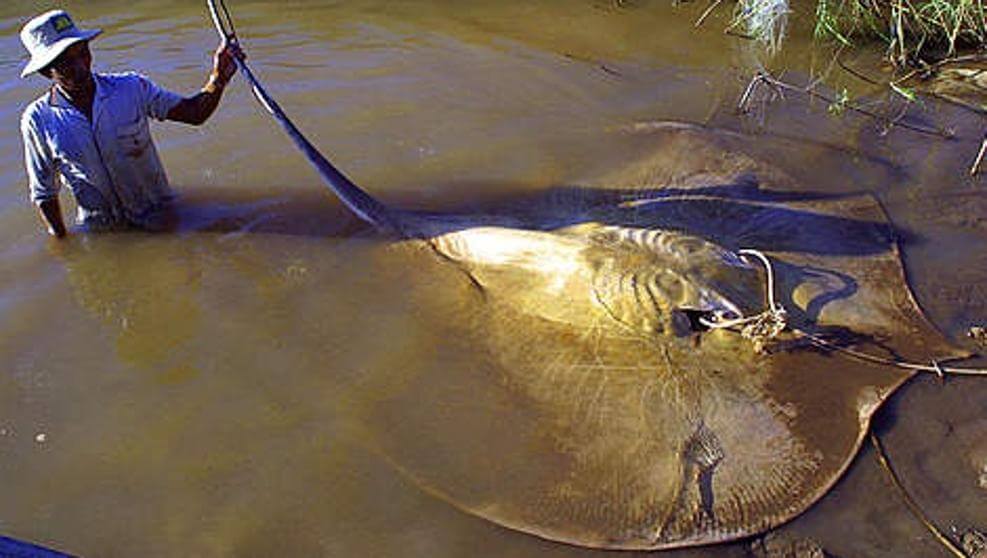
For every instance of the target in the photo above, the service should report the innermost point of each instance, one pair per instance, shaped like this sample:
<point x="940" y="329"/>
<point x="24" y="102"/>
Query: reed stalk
<point x="912" y="31"/>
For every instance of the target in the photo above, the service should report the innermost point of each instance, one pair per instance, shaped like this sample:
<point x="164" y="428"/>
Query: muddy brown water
<point x="199" y="393"/>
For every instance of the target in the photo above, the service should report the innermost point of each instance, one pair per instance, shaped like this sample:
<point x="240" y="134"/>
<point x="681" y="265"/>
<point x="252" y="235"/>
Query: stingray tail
<point x="365" y="206"/>
<point x="357" y="200"/>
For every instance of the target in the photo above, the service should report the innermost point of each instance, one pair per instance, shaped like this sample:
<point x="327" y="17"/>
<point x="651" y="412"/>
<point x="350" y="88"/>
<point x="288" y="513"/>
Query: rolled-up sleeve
<point x="157" y="101"/>
<point x="39" y="162"/>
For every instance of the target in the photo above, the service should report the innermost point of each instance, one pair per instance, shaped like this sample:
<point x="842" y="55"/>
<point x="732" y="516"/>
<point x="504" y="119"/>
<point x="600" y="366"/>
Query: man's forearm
<point x="51" y="214"/>
<point x="199" y="107"/>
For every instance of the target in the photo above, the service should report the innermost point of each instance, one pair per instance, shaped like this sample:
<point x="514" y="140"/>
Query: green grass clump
<point x="912" y="29"/>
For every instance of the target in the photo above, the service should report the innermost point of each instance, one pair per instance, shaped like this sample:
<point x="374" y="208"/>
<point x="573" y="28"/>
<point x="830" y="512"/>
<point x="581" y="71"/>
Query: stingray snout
<point x="688" y="321"/>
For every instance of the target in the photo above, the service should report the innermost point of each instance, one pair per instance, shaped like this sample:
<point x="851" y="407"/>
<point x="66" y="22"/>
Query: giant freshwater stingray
<point x="687" y="355"/>
<point x="617" y="412"/>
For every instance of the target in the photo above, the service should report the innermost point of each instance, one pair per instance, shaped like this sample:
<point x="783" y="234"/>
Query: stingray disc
<point x="574" y="413"/>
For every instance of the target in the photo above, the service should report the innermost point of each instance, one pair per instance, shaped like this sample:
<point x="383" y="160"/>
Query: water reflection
<point x="142" y="304"/>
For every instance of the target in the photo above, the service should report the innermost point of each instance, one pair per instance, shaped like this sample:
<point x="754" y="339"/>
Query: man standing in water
<point x="91" y="129"/>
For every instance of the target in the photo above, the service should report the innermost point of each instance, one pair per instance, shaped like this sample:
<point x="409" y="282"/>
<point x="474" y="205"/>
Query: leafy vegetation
<point x="913" y="31"/>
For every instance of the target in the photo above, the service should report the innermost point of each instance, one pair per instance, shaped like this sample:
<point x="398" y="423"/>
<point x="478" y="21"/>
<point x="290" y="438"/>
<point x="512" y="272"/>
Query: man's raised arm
<point x="198" y="108"/>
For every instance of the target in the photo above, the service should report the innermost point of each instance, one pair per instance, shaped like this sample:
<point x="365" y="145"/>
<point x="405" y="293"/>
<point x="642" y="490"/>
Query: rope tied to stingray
<point x="767" y="325"/>
<point x="760" y="328"/>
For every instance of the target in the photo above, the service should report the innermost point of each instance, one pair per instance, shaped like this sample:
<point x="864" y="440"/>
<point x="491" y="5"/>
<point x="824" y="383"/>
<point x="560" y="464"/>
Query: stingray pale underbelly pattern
<point x="579" y="274"/>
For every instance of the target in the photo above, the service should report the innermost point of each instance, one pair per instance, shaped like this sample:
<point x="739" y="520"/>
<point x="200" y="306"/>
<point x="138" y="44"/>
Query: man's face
<point x="72" y="68"/>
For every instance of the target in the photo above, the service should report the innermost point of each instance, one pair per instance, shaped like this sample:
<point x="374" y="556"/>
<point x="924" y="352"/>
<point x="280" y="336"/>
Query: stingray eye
<point x="687" y="321"/>
<point x="705" y="320"/>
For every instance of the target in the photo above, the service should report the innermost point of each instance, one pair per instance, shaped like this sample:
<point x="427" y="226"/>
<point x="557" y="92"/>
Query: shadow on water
<point x="740" y="224"/>
<point x="214" y="210"/>
<point x="737" y="215"/>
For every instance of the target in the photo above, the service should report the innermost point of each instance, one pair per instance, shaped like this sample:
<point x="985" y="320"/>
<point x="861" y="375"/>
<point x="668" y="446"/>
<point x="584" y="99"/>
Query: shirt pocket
<point x="133" y="139"/>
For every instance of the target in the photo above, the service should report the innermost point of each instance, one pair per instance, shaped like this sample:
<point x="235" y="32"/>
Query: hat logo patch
<point x="62" y="23"/>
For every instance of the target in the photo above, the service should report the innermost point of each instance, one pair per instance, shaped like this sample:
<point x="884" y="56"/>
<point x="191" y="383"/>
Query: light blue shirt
<point x="110" y="164"/>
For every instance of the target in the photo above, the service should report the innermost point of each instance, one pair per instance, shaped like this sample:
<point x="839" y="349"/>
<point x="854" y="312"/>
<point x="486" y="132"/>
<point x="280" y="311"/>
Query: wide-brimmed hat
<point x="48" y="35"/>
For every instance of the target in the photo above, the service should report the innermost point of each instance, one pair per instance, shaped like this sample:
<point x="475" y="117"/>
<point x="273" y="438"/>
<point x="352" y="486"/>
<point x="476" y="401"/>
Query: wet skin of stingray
<point x="604" y="415"/>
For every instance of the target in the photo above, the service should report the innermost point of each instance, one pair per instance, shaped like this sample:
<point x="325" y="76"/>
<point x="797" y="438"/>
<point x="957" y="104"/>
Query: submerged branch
<point x="764" y="78"/>
<point x="859" y="75"/>
<point x="928" y="69"/>
<point x="706" y="13"/>
<point x="975" y="168"/>
<point x="912" y="505"/>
